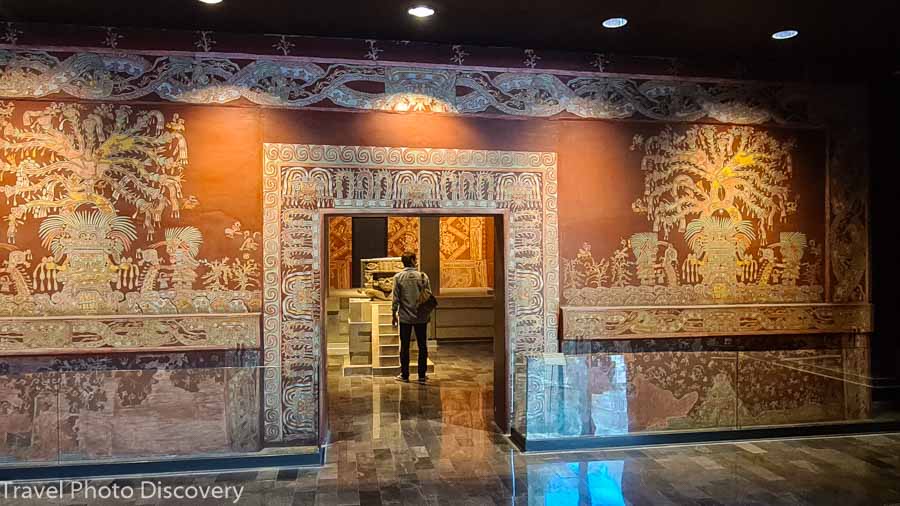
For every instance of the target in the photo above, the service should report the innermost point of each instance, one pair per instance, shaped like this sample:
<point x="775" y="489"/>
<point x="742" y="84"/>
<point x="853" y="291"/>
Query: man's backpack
<point x="426" y="302"/>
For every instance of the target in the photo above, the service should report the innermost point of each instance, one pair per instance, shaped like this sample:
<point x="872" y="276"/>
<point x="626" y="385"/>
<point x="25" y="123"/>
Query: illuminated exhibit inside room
<point x="466" y="247"/>
<point x="457" y="252"/>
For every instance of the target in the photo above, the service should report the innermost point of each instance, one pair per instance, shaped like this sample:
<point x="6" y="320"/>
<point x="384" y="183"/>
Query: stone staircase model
<point x="374" y="344"/>
<point x="386" y="344"/>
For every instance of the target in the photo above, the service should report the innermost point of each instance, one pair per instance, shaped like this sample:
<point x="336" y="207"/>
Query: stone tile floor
<point x="435" y="444"/>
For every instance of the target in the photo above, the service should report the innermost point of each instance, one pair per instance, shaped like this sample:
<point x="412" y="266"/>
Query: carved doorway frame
<point x="302" y="183"/>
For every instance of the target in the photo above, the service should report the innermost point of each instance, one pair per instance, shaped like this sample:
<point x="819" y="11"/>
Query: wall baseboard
<point x="719" y="436"/>
<point x="92" y="470"/>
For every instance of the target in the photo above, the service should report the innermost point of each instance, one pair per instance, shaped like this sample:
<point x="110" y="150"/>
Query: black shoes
<point x="400" y="378"/>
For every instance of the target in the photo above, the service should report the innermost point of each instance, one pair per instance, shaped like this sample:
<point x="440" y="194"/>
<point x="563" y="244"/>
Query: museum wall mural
<point x="721" y="222"/>
<point x="466" y="251"/>
<point x="123" y="232"/>
<point x="169" y="204"/>
<point x="340" y="251"/>
<point x="403" y="235"/>
<point x="99" y="221"/>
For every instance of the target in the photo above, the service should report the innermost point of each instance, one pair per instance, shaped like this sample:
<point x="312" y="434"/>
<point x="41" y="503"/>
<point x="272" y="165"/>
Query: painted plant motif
<point x="722" y="192"/>
<point x="66" y="157"/>
<point x="241" y="274"/>
<point x="96" y="184"/>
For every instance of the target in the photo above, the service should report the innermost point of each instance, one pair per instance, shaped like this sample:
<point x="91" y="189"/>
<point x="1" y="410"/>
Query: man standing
<point x="408" y="283"/>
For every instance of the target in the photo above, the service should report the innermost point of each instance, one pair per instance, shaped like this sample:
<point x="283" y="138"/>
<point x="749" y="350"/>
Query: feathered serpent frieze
<point x="297" y="84"/>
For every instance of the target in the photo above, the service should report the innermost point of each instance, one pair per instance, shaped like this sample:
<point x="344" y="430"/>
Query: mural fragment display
<point x="77" y="407"/>
<point x="465" y="254"/>
<point x="403" y="235"/>
<point x="720" y="203"/>
<point x="340" y="251"/>
<point x="612" y="394"/>
<point x="94" y="207"/>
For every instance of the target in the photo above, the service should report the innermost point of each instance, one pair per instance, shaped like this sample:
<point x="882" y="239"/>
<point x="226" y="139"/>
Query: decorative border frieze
<point x="590" y="323"/>
<point x="297" y="83"/>
<point x="48" y="334"/>
<point x="300" y="180"/>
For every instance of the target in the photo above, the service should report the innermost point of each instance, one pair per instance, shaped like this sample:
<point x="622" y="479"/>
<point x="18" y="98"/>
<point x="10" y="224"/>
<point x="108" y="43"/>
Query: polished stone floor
<point x="396" y="443"/>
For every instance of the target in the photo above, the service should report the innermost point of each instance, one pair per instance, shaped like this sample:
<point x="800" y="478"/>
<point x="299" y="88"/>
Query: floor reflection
<point x="576" y="483"/>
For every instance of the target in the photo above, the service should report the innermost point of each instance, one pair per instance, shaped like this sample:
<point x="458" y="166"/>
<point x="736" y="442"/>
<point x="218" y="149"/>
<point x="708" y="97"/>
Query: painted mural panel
<point x="141" y="220"/>
<point x="103" y="218"/>
<point x="466" y="247"/>
<point x="716" y="215"/>
<point x="340" y="251"/>
<point x="680" y="388"/>
<point x="158" y="412"/>
<point x="465" y="252"/>
<point x="403" y="235"/>
<point x="29" y="410"/>
<point x="90" y="407"/>
<point x="302" y="83"/>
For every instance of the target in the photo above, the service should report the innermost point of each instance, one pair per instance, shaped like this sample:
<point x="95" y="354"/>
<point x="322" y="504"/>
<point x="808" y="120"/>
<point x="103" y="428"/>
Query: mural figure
<point x="87" y="260"/>
<point x="645" y="247"/>
<point x="96" y="184"/>
<point x="63" y="159"/>
<point x="722" y="191"/>
<point x="14" y="271"/>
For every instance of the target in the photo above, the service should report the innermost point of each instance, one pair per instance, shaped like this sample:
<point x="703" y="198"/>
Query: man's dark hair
<point x="408" y="259"/>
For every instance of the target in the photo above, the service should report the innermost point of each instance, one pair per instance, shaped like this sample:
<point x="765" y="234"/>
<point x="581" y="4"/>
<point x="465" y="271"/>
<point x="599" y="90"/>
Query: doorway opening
<point x="467" y="390"/>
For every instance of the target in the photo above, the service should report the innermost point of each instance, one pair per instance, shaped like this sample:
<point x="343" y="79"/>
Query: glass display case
<point x="610" y="393"/>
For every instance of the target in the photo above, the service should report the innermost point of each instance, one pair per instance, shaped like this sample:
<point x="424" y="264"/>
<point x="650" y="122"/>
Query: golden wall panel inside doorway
<point x="340" y="251"/>
<point x="467" y="252"/>
<point x="466" y="248"/>
<point x="403" y="235"/>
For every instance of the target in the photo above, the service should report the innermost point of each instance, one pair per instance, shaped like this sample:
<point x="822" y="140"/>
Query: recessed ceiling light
<point x="421" y="11"/>
<point x="615" y="23"/>
<point x="211" y="1"/>
<point x="785" y="34"/>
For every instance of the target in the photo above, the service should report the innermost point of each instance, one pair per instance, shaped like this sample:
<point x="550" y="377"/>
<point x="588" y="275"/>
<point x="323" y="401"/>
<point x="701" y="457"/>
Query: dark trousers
<point x="405" y="334"/>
